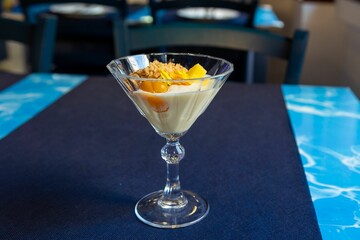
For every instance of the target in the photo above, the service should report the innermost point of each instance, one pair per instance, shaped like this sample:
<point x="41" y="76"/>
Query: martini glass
<point x="171" y="114"/>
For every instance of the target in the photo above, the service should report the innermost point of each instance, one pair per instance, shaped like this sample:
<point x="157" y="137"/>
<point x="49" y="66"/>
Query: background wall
<point x="349" y="14"/>
<point x="333" y="53"/>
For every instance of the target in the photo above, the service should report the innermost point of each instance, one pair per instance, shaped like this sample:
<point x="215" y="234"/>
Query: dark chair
<point x="3" y="53"/>
<point x="247" y="7"/>
<point x="214" y="35"/>
<point x="165" y="11"/>
<point x="83" y="44"/>
<point x="39" y="38"/>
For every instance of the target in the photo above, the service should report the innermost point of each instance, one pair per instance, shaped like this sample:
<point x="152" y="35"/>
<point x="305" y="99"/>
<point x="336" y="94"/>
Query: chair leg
<point x="255" y="68"/>
<point x="250" y="60"/>
<point x="3" y="53"/>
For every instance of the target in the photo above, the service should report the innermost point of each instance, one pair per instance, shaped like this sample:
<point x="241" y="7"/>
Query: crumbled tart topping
<point x="167" y="73"/>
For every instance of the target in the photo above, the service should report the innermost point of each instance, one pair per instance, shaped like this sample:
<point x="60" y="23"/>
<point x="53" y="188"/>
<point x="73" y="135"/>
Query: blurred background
<point x="332" y="57"/>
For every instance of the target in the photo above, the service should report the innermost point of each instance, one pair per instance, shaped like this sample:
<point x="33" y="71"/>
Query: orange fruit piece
<point x="154" y="86"/>
<point x="157" y="103"/>
<point x="178" y="74"/>
<point x="164" y="75"/>
<point x="197" y="71"/>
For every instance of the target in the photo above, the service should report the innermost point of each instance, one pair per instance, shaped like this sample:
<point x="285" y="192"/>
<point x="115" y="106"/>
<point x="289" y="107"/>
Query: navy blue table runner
<point x="76" y="170"/>
<point x="7" y="79"/>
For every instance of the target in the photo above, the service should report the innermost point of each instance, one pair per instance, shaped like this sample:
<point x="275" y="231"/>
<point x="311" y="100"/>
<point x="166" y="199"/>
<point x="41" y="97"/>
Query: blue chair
<point x="40" y="39"/>
<point x="166" y="11"/>
<point x="84" y="43"/>
<point x="216" y="35"/>
<point x="3" y="53"/>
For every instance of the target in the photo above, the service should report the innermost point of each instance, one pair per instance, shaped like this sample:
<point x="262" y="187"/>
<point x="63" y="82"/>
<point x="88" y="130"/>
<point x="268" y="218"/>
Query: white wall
<point x="324" y="55"/>
<point x="349" y="14"/>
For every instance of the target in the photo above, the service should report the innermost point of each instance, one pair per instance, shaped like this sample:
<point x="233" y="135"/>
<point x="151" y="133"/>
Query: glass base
<point x="150" y="212"/>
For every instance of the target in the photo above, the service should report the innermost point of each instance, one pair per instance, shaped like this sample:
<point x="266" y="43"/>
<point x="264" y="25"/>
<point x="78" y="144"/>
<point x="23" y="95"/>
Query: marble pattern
<point x="23" y="100"/>
<point x="326" y="124"/>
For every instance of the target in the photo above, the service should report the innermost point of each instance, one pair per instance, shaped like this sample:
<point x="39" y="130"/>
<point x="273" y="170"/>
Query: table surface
<point x="325" y="121"/>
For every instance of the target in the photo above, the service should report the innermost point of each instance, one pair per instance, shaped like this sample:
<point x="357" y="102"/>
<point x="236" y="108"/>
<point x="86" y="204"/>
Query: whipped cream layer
<point x="177" y="109"/>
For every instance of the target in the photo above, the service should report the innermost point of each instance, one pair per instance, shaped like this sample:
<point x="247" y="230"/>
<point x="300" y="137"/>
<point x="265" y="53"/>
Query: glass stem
<point x="172" y="196"/>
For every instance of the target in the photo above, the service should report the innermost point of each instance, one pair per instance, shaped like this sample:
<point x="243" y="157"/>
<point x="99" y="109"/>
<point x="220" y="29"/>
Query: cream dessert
<point x="175" y="110"/>
<point x="172" y="106"/>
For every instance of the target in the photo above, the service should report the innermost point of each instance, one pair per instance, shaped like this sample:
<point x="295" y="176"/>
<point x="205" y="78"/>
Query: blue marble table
<point x="325" y="121"/>
<point x="23" y="100"/>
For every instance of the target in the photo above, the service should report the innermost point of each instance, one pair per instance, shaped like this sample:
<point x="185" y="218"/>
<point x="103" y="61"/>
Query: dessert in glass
<point x="171" y="90"/>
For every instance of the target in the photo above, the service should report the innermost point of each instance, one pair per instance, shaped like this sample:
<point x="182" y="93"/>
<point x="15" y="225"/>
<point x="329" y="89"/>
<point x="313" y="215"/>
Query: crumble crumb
<point x="156" y="69"/>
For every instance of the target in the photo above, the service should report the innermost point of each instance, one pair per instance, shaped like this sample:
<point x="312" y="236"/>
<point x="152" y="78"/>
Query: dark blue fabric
<point x="77" y="170"/>
<point x="7" y="79"/>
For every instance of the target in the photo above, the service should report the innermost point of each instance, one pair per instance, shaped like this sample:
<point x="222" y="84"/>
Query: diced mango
<point x="160" y="87"/>
<point x="157" y="103"/>
<point x="164" y="75"/>
<point x="154" y="86"/>
<point x="146" y="86"/>
<point x="178" y="75"/>
<point x="197" y="71"/>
